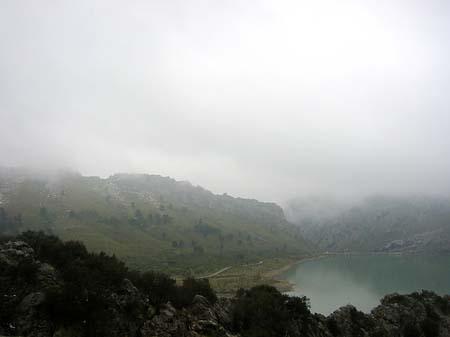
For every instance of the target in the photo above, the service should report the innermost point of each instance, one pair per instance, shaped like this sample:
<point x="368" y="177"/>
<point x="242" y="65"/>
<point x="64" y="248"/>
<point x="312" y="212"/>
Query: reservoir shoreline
<point x="362" y="279"/>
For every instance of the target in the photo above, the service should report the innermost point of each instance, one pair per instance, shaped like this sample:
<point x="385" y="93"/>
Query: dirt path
<point x="216" y="273"/>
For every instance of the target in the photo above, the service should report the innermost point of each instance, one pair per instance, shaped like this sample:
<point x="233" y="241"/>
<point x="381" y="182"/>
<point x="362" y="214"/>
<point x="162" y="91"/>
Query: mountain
<point x="150" y="221"/>
<point x="378" y="223"/>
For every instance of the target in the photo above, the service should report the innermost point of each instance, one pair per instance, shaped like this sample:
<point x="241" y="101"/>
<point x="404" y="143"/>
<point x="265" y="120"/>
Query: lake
<point x="363" y="279"/>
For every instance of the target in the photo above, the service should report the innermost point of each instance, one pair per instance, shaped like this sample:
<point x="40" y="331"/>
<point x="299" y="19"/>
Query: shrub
<point x="191" y="287"/>
<point x="205" y="229"/>
<point x="263" y="311"/>
<point x="158" y="287"/>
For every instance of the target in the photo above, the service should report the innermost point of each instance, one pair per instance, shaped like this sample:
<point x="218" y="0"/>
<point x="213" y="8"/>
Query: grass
<point x="249" y="231"/>
<point x="249" y="275"/>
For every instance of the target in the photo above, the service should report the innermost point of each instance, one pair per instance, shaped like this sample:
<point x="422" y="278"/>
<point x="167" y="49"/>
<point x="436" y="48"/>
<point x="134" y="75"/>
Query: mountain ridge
<point x="150" y="221"/>
<point x="377" y="223"/>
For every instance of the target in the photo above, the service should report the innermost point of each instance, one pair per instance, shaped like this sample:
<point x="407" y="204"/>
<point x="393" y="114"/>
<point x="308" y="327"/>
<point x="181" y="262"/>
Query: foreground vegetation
<point x="51" y="288"/>
<point x="82" y="295"/>
<point x="87" y="280"/>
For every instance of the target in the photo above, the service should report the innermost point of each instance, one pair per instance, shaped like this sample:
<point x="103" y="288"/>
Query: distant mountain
<point x="150" y="221"/>
<point x="378" y="223"/>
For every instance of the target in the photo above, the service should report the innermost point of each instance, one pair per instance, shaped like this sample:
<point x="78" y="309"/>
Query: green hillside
<point x="151" y="222"/>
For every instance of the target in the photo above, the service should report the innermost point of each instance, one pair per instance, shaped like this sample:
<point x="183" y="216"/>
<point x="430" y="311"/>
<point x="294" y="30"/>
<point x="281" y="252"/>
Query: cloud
<point x="267" y="99"/>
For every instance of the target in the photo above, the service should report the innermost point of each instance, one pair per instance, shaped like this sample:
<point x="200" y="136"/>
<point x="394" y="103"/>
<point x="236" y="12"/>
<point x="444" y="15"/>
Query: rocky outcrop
<point x="14" y="253"/>
<point x="23" y="282"/>
<point x="200" y="319"/>
<point x="422" y="314"/>
<point x="126" y="311"/>
<point x="418" y="314"/>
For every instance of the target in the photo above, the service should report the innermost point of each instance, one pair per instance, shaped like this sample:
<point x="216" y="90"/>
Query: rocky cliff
<point x="25" y="282"/>
<point x="376" y="223"/>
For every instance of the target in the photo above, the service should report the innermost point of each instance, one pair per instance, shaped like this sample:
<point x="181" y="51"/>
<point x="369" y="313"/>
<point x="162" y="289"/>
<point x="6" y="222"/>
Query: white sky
<point x="263" y="99"/>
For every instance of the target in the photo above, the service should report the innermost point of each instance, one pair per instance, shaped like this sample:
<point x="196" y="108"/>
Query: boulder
<point x="420" y="314"/>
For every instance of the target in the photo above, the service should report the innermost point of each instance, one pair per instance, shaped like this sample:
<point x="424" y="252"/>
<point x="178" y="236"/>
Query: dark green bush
<point x="430" y="327"/>
<point x="51" y="249"/>
<point x="191" y="287"/>
<point x="263" y="311"/>
<point x="158" y="287"/>
<point x="205" y="229"/>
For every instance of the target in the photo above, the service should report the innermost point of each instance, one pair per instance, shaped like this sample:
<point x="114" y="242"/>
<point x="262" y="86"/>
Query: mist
<point x="260" y="99"/>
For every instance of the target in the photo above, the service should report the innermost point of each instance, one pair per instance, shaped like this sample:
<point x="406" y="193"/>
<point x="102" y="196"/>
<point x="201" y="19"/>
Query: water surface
<point x="363" y="279"/>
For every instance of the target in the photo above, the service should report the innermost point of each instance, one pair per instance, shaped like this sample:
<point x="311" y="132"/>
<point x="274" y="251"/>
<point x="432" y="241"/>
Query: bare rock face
<point x="23" y="282"/>
<point x="418" y="314"/>
<point x="348" y="321"/>
<point x="13" y="253"/>
<point x="314" y="327"/>
<point x="200" y="319"/>
<point x="125" y="310"/>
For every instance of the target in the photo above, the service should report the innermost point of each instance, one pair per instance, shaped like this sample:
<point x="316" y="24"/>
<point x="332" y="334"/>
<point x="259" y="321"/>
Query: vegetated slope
<point x="378" y="223"/>
<point x="151" y="222"/>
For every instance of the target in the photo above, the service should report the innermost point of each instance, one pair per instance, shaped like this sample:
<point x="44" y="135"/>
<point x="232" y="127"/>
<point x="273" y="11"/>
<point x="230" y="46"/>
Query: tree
<point x="205" y="229"/>
<point x="4" y="220"/>
<point x="18" y="219"/>
<point x="156" y="286"/>
<point x="190" y="288"/>
<point x="138" y="214"/>
<point x="3" y="215"/>
<point x="198" y="249"/>
<point x="166" y="219"/>
<point x="43" y="212"/>
<point x="264" y="312"/>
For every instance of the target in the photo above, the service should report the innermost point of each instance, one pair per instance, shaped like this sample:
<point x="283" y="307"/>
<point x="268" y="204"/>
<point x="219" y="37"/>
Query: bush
<point x="158" y="287"/>
<point x="9" y="223"/>
<point x="263" y="311"/>
<point x="52" y="250"/>
<point x="191" y="287"/>
<point x="88" y="281"/>
<point x="205" y="229"/>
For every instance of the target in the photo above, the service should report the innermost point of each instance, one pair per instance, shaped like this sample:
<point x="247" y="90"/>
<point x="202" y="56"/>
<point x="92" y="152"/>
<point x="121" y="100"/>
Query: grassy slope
<point x="251" y="230"/>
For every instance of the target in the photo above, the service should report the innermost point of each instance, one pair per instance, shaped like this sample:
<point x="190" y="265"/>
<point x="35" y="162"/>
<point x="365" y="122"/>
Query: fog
<point x="261" y="99"/>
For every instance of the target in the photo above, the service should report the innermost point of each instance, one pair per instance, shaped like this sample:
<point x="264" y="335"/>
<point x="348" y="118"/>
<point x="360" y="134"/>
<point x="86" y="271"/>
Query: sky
<point x="268" y="99"/>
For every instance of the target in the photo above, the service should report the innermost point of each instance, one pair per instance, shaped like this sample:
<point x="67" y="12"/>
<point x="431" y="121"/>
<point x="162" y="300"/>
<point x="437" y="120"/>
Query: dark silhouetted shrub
<point x="263" y="311"/>
<point x="191" y="287"/>
<point x="158" y="287"/>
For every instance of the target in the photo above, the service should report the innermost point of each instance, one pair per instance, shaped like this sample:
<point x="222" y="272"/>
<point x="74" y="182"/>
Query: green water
<point x="362" y="280"/>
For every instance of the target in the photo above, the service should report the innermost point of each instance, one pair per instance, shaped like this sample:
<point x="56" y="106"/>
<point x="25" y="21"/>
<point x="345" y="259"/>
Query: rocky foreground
<point x="129" y="312"/>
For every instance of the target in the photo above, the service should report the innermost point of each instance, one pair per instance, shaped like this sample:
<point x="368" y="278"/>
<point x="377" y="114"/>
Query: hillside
<point x="150" y="221"/>
<point x="378" y="223"/>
